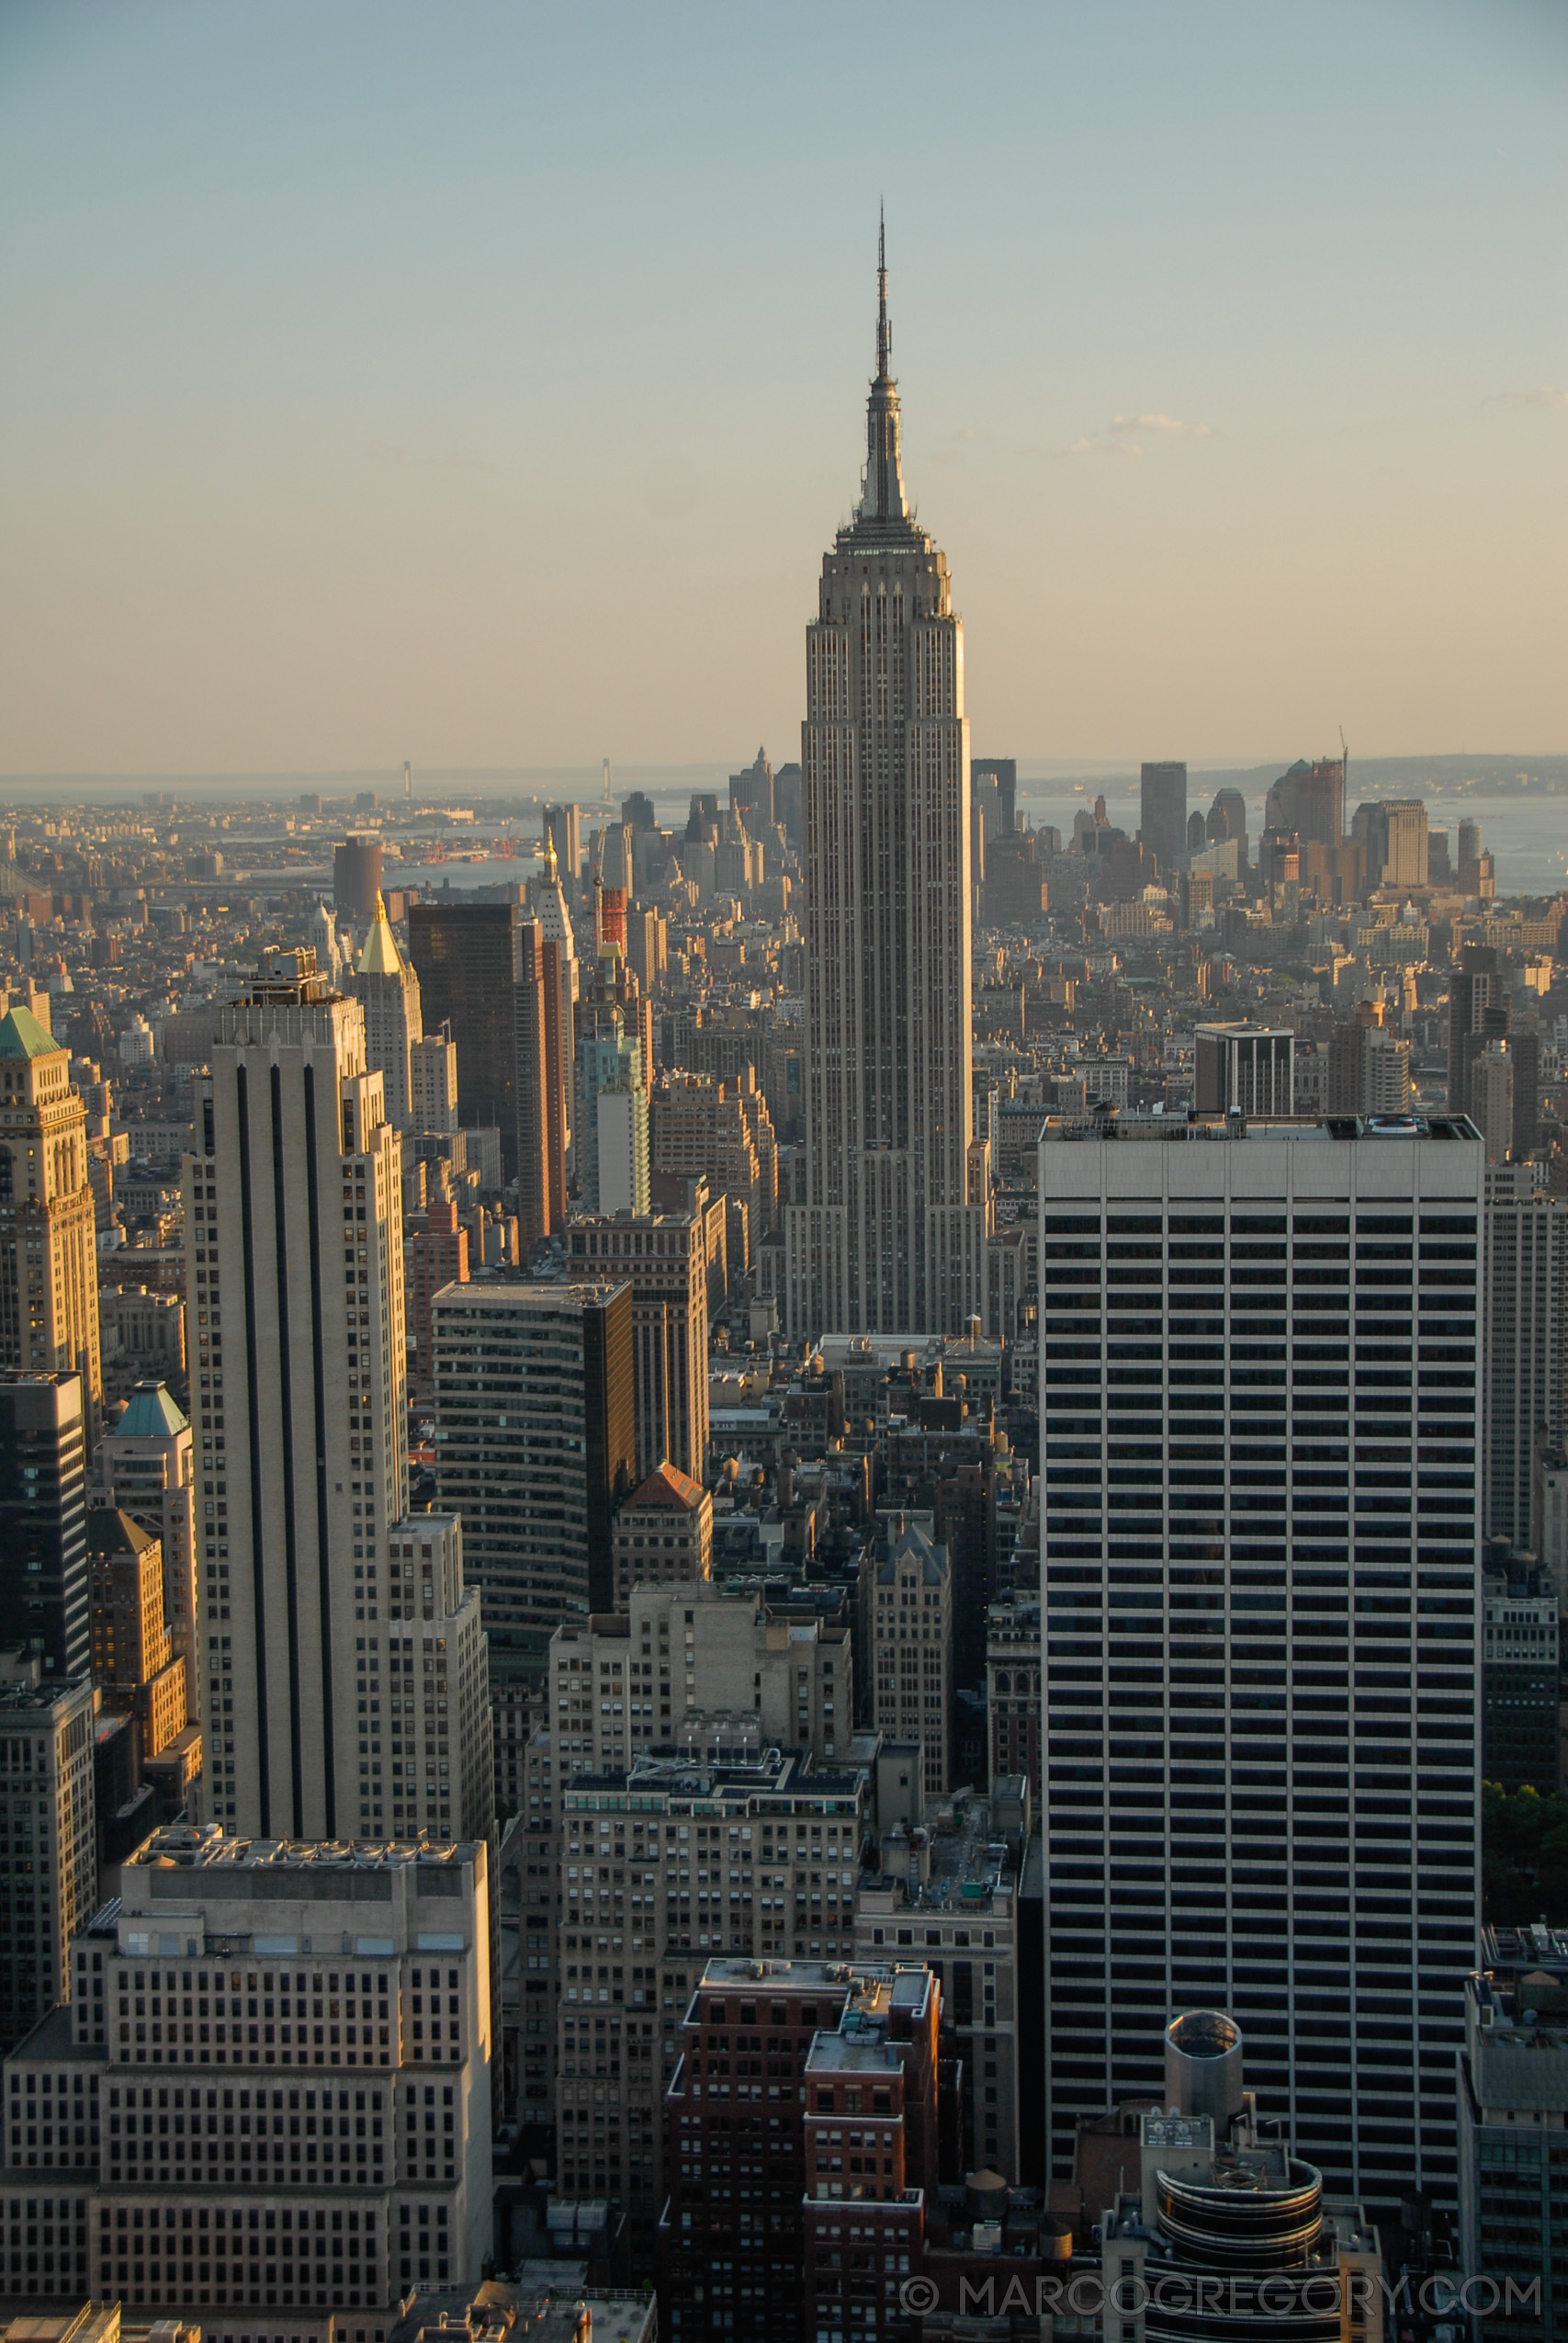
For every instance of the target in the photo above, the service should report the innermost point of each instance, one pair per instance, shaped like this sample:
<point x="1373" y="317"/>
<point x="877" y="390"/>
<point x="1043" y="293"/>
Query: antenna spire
<point x="883" y="332"/>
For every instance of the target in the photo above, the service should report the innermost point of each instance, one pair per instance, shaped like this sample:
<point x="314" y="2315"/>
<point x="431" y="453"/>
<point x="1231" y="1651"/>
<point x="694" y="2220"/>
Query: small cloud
<point x="1106" y="448"/>
<point x="404" y="459"/>
<point x="965" y="438"/>
<point x="1544" y="395"/>
<point x="1170" y="426"/>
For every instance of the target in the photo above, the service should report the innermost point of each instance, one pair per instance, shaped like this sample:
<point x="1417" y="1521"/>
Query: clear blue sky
<point x="482" y="384"/>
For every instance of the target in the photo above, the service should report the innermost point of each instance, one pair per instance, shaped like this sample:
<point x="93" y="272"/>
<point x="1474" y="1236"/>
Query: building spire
<point x="882" y="490"/>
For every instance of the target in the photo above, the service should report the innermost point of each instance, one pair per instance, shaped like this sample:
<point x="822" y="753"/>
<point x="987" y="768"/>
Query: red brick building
<point x="802" y="2151"/>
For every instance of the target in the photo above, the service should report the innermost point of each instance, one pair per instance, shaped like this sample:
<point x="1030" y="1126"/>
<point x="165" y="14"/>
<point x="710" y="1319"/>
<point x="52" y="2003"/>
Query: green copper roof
<point x="21" y="1035"/>
<point x="149" y="1413"/>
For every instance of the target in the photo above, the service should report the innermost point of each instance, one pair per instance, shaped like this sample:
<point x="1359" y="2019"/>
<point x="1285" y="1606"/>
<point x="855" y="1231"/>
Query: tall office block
<point x="535" y="1447"/>
<point x="906" y="1628"/>
<point x="387" y="991"/>
<point x="1243" y="1070"/>
<point x="294" y="1231"/>
<point x="356" y="877"/>
<point x="44" y="1520"/>
<point x="1001" y="775"/>
<point x="146" y="1466"/>
<point x="1259" y="1412"/>
<point x="1307" y="803"/>
<point x="48" y="1286"/>
<point x="1474" y="988"/>
<point x="308" y="2179"/>
<point x="563" y="844"/>
<point x="1513" y="2191"/>
<point x="665" y="1256"/>
<point x="433" y="1084"/>
<point x="48" y="1888"/>
<point x="610" y="1153"/>
<point x="784" y="1840"/>
<point x="1525" y="1384"/>
<point x="1162" y="812"/>
<point x="1404" y="830"/>
<point x="465" y="956"/>
<point x="543" y="1079"/>
<point x="535" y="1188"/>
<point x="891" y="1238"/>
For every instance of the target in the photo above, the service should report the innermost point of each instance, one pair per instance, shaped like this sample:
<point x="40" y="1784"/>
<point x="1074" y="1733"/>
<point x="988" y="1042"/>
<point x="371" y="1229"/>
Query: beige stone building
<point x="905" y="1621"/>
<point x="307" y="2178"/>
<point x="689" y="1664"/>
<point x="49" y="1284"/>
<point x="320" y="1696"/>
<point x="660" y="1867"/>
<point x="891" y="1236"/>
<point x="721" y="1130"/>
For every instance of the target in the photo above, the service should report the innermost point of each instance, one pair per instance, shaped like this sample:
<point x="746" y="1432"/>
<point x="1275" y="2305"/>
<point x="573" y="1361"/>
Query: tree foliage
<point x="1524" y="1857"/>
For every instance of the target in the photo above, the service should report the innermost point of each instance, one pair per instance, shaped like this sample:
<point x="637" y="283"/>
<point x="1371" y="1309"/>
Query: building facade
<point x="892" y="1234"/>
<point x="1258" y="1418"/>
<point x="1520" y="1688"/>
<point x="1524" y="1384"/>
<point x="46" y="1800"/>
<point x="1162" y="813"/>
<point x="947" y="1897"/>
<point x="795" y="2214"/>
<point x="43" y="1519"/>
<point x="661" y="1867"/>
<point x="466" y="957"/>
<point x="294" y="1220"/>
<point x="664" y="1255"/>
<point x="349" y="2156"/>
<point x="689" y="1664"/>
<point x="535" y="1448"/>
<point x="49" y="1284"/>
<point x="663" y="1533"/>
<point x="906" y="1621"/>
<point x="388" y="991"/>
<point x="1513" y="2087"/>
<point x="145" y="1463"/>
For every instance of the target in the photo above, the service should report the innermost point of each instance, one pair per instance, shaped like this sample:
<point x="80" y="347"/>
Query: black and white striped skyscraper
<point x="1258" y="1415"/>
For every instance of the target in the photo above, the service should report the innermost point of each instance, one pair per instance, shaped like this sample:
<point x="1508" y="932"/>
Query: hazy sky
<point x="482" y="384"/>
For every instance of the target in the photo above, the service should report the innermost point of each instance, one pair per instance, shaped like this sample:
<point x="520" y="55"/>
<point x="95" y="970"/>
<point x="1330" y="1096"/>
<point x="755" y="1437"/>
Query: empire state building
<point x="891" y="1239"/>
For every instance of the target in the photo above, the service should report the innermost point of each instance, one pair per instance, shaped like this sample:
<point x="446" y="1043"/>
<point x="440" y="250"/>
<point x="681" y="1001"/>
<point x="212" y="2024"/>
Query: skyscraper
<point x="1525" y="1384"/>
<point x="389" y="990"/>
<point x="1478" y="1012"/>
<point x="465" y="956"/>
<point x="44" y="1520"/>
<point x="356" y="877"/>
<point x="534" y="1446"/>
<point x="544" y="1077"/>
<point x="891" y="1238"/>
<point x="48" y="1889"/>
<point x="1260" y="1577"/>
<point x="146" y="1464"/>
<point x="49" y="1288"/>
<point x="297" y="1382"/>
<point x="1162" y="813"/>
<point x="665" y="1256"/>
